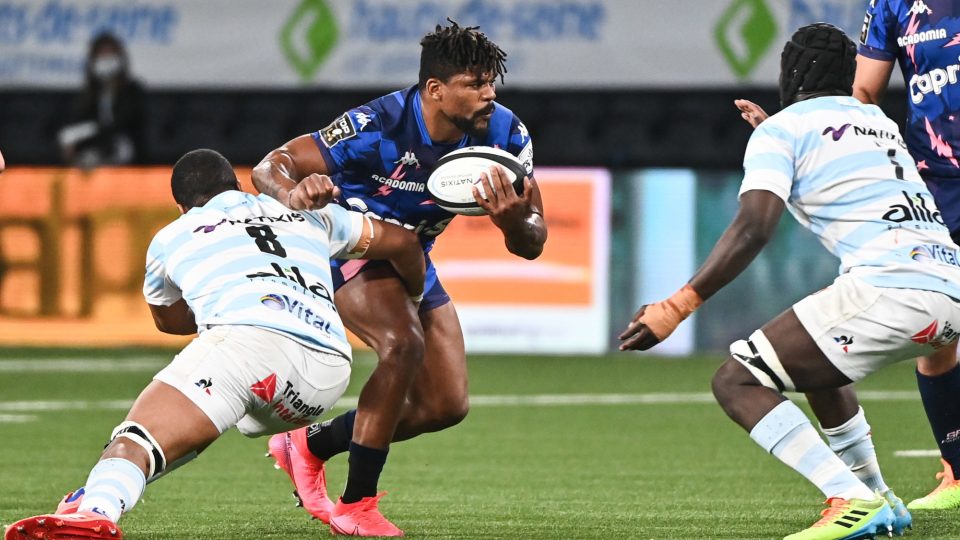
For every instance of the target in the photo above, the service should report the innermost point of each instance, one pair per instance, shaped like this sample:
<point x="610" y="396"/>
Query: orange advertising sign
<point x="498" y="293"/>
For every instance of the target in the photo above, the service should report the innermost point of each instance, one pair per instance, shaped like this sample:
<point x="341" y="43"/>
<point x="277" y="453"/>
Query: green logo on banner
<point x="308" y="37"/>
<point x="744" y="33"/>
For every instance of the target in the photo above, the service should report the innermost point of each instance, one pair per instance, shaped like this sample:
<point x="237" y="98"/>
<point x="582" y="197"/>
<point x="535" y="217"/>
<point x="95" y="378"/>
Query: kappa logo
<point x="836" y="133"/>
<point x="362" y="120"/>
<point x="920" y="8"/>
<point x="524" y="134"/>
<point x="845" y="342"/>
<point x="408" y="158"/>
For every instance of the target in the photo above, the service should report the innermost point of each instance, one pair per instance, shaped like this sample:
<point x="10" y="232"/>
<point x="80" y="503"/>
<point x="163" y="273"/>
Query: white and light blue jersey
<point x="844" y="172"/>
<point x="242" y="259"/>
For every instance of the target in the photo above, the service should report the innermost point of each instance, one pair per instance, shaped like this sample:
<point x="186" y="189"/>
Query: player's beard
<point x="471" y="126"/>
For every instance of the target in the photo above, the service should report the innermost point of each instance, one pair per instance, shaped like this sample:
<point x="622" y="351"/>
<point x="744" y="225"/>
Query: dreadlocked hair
<point x="454" y="49"/>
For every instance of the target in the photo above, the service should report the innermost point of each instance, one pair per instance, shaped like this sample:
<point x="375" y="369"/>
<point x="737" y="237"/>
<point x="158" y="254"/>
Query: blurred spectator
<point x="106" y="123"/>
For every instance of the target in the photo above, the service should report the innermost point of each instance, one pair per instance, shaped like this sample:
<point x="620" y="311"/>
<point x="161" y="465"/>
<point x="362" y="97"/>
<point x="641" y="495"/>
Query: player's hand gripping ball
<point x="452" y="181"/>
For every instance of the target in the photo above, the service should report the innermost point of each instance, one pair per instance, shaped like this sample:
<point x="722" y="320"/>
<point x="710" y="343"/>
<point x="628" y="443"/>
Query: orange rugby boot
<point x="305" y="471"/>
<point x="64" y="526"/>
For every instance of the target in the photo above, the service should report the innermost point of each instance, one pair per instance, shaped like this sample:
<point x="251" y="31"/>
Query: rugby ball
<point x="451" y="183"/>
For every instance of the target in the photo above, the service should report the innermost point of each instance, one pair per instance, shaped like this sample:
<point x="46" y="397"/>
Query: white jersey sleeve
<point x="158" y="288"/>
<point x="344" y="227"/>
<point x="769" y="161"/>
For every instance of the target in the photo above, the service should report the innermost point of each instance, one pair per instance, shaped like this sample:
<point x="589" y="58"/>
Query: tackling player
<point x="380" y="155"/>
<point x="923" y="37"/>
<point x="842" y="169"/>
<point x="254" y="277"/>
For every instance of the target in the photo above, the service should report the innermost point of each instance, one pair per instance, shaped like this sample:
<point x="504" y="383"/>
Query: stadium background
<point x="637" y="146"/>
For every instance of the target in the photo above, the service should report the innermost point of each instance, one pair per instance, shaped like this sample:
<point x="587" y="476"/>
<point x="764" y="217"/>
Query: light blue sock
<point x="113" y="487"/>
<point x="853" y="443"/>
<point x="786" y="433"/>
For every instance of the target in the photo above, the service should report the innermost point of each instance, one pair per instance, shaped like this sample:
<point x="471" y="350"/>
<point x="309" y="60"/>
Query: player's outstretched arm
<point x="871" y="79"/>
<point x="174" y="319"/>
<point x="746" y="236"/>
<point x="296" y="175"/>
<point x="520" y="217"/>
<point x="402" y="249"/>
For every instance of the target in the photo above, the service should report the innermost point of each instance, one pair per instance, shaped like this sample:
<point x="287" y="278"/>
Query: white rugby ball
<point x="451" y="183"/>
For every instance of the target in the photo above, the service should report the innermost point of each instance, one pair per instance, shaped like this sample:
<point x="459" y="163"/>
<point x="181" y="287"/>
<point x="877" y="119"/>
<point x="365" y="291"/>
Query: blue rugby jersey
<point x="242" y="259"/>
<point x="924" y="37"/>
<point x="380" y="155"/>
<point x="843" y="171"/>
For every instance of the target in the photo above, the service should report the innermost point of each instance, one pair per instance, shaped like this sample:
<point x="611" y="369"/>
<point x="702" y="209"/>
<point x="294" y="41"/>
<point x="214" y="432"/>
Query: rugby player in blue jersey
<point x="841" y="168"/>
<point x="376" y="159"/>
<point x="924" y="37"/>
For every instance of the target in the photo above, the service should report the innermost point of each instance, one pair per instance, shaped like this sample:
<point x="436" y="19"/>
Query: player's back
<point x="248" y="260"/>
<point x="844" y="171"/>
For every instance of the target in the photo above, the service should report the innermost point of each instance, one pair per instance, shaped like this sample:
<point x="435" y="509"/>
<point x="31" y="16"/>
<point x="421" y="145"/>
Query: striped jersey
<point x="243" y="259"/>
<point x="843" y="171"/>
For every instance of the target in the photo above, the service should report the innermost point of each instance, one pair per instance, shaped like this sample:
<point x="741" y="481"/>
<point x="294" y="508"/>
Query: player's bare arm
<point x="296" y="175"/>
<point x="871" y="79"/>
<point x="174" y="319"/>
<point x="520" y="217"/>
<point x="748" y="233"/>
<point x="401" y="248"/>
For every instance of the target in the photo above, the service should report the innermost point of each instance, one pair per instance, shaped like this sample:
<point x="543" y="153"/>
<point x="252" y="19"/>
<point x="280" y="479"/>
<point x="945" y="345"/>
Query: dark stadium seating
<point x="617" y="129"/>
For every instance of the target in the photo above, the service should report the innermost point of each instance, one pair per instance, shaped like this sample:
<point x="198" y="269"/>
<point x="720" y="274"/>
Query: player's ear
<point x="183" y="209"/>
<point x="433" y="89"/>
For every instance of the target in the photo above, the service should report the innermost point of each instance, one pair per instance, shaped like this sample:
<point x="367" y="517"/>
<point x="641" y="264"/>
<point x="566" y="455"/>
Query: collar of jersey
<point x="418" y="115"/>
<point x="223" y="201"/>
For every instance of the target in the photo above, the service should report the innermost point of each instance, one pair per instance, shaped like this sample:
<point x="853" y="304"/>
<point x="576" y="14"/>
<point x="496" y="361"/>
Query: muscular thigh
<point x="444" y="372"/>
<point x="374" y="306"/>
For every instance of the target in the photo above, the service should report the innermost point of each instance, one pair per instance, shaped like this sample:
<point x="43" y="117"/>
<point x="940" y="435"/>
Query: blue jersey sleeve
<point x="878" y="37"/>
<point x="521" y="144"/>
<point x="349" y="139"/>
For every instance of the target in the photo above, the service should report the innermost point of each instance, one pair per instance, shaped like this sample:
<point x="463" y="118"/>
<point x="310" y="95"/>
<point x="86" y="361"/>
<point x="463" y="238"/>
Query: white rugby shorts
<point x="258" y="380"/>
<point x="861" y="328"/>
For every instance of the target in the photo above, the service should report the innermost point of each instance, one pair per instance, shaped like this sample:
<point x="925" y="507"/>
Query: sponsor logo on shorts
<point x="845" y="342"/>
<point x="290" y="407"/>
<point x="340" y="129"/>
<point x="204" y="384"/>
<point x="930" y="336"/>
<point x="935" y="253"/>
<point x="951" y="437"/>
<point x="282" y="302"/>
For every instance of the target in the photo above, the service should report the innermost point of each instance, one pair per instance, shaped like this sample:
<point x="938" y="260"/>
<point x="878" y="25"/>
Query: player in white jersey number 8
<point x="272" y="354"/>
<point x="895" y="277"/>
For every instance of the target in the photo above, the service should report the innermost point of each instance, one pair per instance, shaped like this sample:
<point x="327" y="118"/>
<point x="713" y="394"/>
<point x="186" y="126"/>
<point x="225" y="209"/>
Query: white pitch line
<point x="917" y="453"/>
<point x="16" y="418"/>
<point x="70" y="365"/>
<point x="485" y="400"/>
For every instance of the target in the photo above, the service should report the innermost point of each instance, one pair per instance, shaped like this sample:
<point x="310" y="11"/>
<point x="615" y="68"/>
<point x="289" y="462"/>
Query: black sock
<point x="331" y="437"/>
<point x="941" y="400"/>
<point x="365" y="467"/>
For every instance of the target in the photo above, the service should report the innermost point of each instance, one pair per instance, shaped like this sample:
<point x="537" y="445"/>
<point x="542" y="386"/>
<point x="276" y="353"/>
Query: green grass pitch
<point x="566" y="466"/>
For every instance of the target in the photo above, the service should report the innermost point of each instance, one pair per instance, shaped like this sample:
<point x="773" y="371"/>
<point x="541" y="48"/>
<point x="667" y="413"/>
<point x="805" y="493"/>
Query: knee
<point x="123" y="448"/>
<point x="936" y="364"/>
<point x="403" y="348"/>
<point x="728" y="378"/>
<point x="443" y="413"/>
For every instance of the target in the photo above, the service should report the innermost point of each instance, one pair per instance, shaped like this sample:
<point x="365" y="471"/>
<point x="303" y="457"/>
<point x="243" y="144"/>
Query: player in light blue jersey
<point x="253" y="277"/>
<point x="380" y="156"/>
<point x="922" y="36"/>
<point x="842" y="170"/>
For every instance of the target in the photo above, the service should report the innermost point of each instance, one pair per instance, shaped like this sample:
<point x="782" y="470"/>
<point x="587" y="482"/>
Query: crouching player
<point x="843" y="170"/>
<point x="254" y="277"/>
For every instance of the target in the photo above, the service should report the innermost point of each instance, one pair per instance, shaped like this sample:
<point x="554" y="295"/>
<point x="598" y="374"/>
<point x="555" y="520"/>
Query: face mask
<point x="105" y="67"/>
